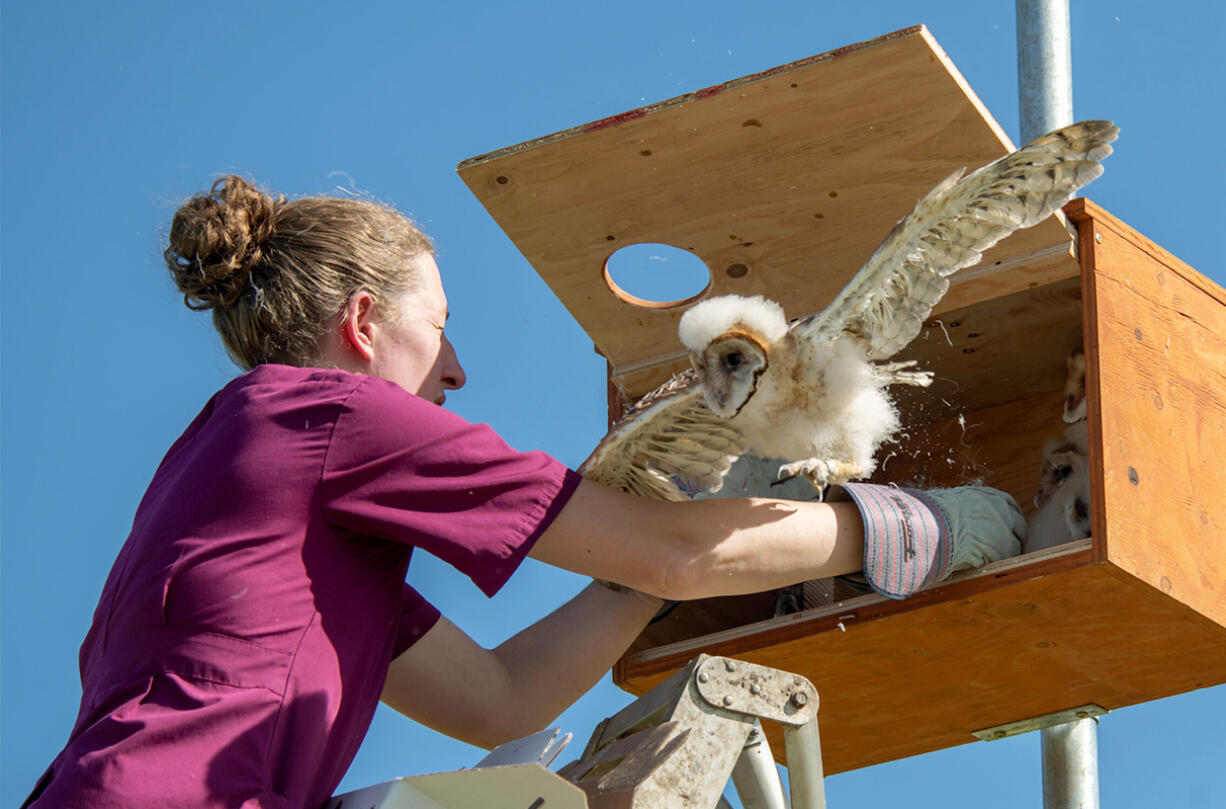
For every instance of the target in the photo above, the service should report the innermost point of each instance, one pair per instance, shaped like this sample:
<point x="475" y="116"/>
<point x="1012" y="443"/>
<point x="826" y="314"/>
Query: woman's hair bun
<point x="217" y="239"/>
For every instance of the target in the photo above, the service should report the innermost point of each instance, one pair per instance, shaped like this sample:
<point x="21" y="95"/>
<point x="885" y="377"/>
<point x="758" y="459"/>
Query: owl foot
<point x="811" y="469"/>
<point x="897" y="373"/>
<point x="820" y="473"/>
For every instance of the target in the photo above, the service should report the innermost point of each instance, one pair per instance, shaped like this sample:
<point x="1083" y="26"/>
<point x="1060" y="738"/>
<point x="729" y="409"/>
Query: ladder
<point x="676" y="747"/>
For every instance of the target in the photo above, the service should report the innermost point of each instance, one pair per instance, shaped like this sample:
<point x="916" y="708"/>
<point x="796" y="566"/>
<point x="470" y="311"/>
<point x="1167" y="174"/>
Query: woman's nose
<point x="453" y="374"/>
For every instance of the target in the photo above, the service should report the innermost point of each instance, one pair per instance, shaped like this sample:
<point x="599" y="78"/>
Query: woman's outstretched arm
<point x="675" y="550"/>
<point x="701" y="548"/>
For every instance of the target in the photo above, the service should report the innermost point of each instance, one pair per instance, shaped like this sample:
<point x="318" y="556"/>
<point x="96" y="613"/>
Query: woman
<point x="258" y="610"/>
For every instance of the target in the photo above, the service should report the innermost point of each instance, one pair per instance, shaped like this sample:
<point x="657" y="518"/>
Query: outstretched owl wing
<point x="668" y="446"/>
<point x="889" y="298"/>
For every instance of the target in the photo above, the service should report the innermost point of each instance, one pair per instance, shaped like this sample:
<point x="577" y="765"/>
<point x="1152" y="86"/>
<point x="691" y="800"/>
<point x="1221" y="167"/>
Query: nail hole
<point x="1133" y="477"/>
<point x="736" y="270"/>
<point x="834" y="194"/>
<point x="646" y="153"/>
<point x="502" y="179"/>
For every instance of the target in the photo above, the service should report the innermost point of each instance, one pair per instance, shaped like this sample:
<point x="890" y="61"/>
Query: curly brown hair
<point x="276" y="272"/>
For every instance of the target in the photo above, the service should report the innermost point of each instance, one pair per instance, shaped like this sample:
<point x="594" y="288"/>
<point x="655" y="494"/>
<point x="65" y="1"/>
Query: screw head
<point x="753" y="689"/>
<point x="729" y="665"/>
<point x="703" y="677"/>
<point x="800" y="699"/>
<point x="727" y="700"/>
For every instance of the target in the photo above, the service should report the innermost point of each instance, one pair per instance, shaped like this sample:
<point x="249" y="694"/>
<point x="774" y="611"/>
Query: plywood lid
<point x="795" y="173"/>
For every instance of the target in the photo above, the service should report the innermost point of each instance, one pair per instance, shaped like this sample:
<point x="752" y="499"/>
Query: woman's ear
<point x="357" y="324"/>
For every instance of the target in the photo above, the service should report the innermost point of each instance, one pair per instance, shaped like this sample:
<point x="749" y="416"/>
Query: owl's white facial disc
<point x="729" y="368"/>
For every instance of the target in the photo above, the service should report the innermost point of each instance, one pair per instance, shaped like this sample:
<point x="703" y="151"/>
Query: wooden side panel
<point x="1158" y="329"/>
<point x="924" y="679"/>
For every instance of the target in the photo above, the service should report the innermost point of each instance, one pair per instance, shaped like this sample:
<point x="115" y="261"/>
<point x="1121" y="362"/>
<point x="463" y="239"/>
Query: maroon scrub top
<point x="242" y="638"/>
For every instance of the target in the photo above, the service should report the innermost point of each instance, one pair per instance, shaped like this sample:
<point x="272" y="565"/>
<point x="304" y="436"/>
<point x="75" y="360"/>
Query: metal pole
<point x="755" y="777"/>
<point x="1045" y="102"/>
<point x="803" y="745"/>
<point x="1044" y="67"/>
<point x="1070" y="765"/>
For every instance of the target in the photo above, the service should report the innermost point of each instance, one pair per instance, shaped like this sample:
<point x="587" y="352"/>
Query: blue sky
<point x="114" y="113"/>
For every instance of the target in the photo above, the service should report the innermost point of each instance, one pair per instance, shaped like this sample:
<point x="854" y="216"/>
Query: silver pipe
<point x="1044" y="67"/>
<point x="804" y="751"/>
<point x="754" y="775"/>
<point x="1070" y="765"/>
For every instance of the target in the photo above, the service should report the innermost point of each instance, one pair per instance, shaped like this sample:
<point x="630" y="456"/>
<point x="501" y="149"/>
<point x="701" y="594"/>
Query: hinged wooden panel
<point x="796" y="173"/>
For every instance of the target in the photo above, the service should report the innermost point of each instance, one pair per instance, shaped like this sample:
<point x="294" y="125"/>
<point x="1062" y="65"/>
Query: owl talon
<point x="897" y="373"/>
<point x="818" y="473"/>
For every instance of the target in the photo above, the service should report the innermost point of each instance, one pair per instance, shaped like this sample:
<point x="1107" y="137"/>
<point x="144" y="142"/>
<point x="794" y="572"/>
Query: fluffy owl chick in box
<point x="1063" y="497"/>
<point x="812" y="392"/>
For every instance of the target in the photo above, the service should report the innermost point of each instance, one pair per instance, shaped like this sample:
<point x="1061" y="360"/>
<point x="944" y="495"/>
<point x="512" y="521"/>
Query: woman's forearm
<point x="702" y="548"/>
<point x="559" y="658"/>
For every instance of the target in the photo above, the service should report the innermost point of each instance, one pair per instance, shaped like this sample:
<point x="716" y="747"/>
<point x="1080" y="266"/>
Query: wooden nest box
<point x="783" y="183"/>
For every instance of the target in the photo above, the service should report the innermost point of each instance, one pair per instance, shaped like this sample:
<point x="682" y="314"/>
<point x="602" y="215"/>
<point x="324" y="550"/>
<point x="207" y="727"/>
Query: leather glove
<point x="913" y="538"/>
<point x="986" y="525"/>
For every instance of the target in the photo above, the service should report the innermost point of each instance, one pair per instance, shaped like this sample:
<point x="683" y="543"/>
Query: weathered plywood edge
<point x="1077" y="212"/>
<point x="733" y="84"/>
<point x="965" y="86"/>
<point x="857" y="610"/>
<point x="1084" y="210"/>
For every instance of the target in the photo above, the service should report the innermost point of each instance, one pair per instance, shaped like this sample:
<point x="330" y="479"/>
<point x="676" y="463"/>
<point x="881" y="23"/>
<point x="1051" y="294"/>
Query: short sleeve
<point x="417" y="617"/>
<point x="405" y="470"/>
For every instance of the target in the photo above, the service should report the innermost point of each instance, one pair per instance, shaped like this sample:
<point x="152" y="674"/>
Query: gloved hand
<point x="913" y="538"/>
<point x="985" y="524"/>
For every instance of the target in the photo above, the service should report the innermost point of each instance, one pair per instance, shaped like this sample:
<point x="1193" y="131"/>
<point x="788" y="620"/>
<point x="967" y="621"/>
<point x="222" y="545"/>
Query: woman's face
<point x="413" y="351"/>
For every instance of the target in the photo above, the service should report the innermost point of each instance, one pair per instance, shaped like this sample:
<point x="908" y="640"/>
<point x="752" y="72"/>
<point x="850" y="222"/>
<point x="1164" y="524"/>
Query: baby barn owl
<point x="820" y="402"/>
<point x="812" y="393"/>
<point x="1063" y="496"/>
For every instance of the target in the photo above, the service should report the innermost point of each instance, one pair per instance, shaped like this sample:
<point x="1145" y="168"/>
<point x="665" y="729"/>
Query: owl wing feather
<point x="668" y="446"/>
<point x="890" y="297"/>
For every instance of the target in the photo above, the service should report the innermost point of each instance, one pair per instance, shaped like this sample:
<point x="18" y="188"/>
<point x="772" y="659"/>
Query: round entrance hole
<point x="656" y="275"/>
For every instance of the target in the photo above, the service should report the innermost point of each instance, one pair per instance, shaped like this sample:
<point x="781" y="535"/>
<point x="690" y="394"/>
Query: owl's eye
<point x="1062" y="473"/>
<point x="733" y="360"/>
